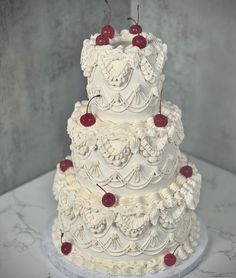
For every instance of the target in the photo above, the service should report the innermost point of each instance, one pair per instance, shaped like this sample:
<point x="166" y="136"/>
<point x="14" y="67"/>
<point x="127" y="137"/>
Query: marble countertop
<point x="25" y="211"/>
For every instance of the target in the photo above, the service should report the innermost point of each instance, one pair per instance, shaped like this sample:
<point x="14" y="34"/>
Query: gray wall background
<point x="41" y="79"/>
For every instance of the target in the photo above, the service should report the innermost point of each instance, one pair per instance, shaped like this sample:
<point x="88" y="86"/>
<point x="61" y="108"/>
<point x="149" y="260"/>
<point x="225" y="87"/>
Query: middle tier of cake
<point x="126" y="158"/>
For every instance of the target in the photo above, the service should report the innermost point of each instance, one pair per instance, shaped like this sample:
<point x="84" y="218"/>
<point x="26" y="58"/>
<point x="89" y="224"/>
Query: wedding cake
<point x="126" y="194"/>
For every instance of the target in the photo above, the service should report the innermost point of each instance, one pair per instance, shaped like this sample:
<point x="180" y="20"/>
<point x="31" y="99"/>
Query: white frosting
<point x="129" y="79"/>
<point x="126" y="157"/>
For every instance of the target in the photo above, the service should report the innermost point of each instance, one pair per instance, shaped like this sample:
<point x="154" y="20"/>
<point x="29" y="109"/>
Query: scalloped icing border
<point x="187" y="189"/>
<point x="135" y="179"/>
<point x="136" y="102"/>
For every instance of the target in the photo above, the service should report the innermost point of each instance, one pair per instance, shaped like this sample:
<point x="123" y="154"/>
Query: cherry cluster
<point x="108" y="32"/>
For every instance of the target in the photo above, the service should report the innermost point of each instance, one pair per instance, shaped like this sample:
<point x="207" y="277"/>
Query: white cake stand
<point x="73" y="271"/>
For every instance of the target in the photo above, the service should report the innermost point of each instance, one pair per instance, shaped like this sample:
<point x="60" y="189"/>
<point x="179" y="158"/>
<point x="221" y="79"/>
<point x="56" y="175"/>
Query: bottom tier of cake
<point x="132" y="237"/>
<point x="131" y="266"/>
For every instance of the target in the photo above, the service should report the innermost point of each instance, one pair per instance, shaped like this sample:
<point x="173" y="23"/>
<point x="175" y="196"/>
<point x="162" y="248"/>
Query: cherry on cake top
<point x="108" y="31"/>
<point x="102" y="40"/>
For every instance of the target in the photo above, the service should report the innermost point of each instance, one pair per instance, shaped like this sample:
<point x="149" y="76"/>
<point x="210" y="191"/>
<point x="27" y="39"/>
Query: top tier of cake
<point x="129" y="79"/>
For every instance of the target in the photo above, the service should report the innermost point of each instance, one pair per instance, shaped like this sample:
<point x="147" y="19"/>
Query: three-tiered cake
<point x="126" y="195"/>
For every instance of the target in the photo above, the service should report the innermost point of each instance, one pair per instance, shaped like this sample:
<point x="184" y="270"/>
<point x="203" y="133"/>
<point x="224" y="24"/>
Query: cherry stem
<point x="109" y="7"/>
<point x="101" y="188"/>
<point x="138" y="14"/>
<point x="176" y="249"/>
<point x="160" y="101"/>
<point x="62" y="234"/>
<point x="131" y="18"/>
<point x="90" y="101"/>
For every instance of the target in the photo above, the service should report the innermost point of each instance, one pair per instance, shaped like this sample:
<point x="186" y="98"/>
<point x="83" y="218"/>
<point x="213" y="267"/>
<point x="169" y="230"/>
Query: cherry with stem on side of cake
<point x="135" y="28"/>
<point x="160" y="120"/>
<point x="186" y="171"/>
<point x="107" y="30"/>
<point x="65" y="164"/>
<point x="66" y="246"/>
<point x="88" y="119"/>
<point x="170" y="258"/>
<point x="108" y="199"/>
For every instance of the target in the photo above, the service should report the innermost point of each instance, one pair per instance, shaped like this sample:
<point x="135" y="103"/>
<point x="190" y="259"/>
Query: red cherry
<point x="66" y="248"/>
<point x="186" y="171"/>
<point x="88" y="119"/>
<point x="108" y="31"/>
<point x="160" y="120"/>
<point x="139" y="41"/>
<point x="102" y="40"/>
<point x="108" y="199"/>
<point x="65" y="164"/>
<point x="135" y="29"/>
<point x="169" y="259"/>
